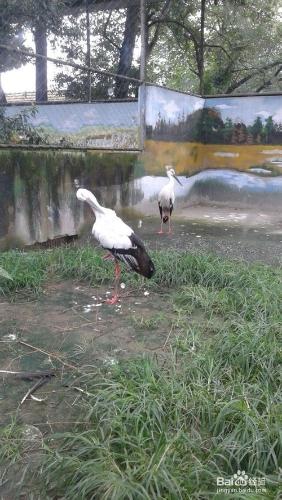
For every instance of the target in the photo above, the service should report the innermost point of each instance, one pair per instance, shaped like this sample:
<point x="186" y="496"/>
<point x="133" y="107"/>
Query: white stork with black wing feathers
<point x="119" y="239"/>
<point x="166" y="198"/>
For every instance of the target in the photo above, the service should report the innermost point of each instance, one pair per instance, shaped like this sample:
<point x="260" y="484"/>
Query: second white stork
<point x="119" y="239"/>
<point x="166" y="199"/>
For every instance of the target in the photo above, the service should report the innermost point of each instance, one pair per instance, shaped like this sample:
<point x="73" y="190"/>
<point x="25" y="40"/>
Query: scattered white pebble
<point x="122" y="285"/>
<point x="108" y="293"/>
<point x="93" y="297"/>
<point x="99" y="318"/>
<point x="110" y="361"/>
<point x="10" y="336"/>
<point x="146" y="293"/>
<point x="198" y="236"/>
<point x="140" y="222"/>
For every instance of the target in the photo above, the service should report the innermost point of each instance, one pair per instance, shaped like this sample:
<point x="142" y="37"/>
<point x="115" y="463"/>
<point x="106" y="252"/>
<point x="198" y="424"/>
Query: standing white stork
<point x="119" y="239"/>
<point x="166" y="198"/>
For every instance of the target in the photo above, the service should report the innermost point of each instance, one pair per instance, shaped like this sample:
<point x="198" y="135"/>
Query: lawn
<point x="168" y="424"/>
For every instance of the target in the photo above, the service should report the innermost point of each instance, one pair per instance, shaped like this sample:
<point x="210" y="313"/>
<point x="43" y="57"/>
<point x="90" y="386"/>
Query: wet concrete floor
<point x="234" y="234"/>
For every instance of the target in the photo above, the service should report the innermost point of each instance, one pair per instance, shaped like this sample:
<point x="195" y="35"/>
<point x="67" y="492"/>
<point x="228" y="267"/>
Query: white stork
<point x="166" y="198"/>
<point x="119" y="239"/>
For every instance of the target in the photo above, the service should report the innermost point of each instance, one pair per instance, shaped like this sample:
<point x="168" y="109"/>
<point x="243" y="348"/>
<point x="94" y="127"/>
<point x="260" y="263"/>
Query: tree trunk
<point x="3" y="99"/>
<point x="40" y="38"/>
<point x="126" y="51"/>
<point x="201" y="48"/>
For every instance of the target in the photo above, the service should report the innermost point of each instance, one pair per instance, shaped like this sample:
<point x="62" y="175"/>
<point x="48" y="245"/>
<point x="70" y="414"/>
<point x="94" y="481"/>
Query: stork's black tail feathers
<point x="136" y="257"/>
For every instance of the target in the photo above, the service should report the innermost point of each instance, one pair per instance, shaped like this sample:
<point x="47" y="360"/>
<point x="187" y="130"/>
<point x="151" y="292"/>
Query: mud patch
<point x="71" y="326"/>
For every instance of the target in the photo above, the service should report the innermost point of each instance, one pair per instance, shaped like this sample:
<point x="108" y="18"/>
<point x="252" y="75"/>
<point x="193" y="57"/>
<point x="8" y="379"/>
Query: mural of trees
<point x="207" y="126"/>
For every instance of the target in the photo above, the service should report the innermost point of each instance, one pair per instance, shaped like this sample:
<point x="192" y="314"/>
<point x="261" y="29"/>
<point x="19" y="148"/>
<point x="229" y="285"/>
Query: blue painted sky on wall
<point x="170" y="104"/>
<point x="68" y="118"/>
<point x="247" y="109"/>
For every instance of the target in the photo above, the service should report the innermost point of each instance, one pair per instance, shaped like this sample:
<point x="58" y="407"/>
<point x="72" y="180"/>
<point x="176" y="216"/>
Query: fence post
<point x="88" y="49"/>
<point x="142" y="87"/>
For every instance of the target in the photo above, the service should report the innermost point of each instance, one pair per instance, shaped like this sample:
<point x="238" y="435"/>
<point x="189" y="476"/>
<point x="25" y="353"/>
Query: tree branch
<point x="269" y="82"/>
<point x="104" y="33"/>
<point x="235" y="85"/>
<point x="214" y="45"/>
<point x="158" y="27"/>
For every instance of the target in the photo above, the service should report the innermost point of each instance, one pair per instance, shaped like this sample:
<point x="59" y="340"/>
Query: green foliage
<point x="11" y="32"/>
<point x="18" y="129"/>
<point x="11" y="443"/>
<point x="4" y="274"/>
<point x="241" y="46"/>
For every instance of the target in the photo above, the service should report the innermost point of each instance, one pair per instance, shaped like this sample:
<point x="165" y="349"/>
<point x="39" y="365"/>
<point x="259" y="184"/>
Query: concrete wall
<point x="37" y="191"/>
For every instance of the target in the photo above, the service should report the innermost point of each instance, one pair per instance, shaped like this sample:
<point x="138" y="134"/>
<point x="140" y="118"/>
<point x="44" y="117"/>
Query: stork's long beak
<point x="176" y="178"/>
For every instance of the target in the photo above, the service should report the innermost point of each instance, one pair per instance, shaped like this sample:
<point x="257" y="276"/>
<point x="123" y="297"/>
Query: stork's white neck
<point x="85" y="195"/>
<point x="171" y="179"/>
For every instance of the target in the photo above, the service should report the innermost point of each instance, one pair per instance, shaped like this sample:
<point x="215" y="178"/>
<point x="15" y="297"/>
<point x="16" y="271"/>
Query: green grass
<point x="11" y="443"/>
<point x="167" y="427"/>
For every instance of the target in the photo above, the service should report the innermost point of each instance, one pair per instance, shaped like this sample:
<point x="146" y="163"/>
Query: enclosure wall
<point x="110" y="125"/>
<point x="232" y="146"/>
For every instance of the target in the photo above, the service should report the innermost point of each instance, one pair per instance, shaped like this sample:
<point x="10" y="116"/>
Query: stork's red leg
<point x="108" y="256"/>
<point x="169" y="227"/>
<point x="114" y="298"/>
<point x="161" y="230"/>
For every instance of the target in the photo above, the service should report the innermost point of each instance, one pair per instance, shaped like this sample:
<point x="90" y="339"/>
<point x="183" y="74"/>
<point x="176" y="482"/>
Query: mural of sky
<point x="69" y="118"/>
<point x="247" y="109"/>
<point x="169" y="104"/>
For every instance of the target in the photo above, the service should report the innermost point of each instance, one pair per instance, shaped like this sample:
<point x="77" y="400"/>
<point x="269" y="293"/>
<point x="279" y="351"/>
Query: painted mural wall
<point x="173" y="130"/>
<point x="83" y="125"/>
<point x="211" y="138"/>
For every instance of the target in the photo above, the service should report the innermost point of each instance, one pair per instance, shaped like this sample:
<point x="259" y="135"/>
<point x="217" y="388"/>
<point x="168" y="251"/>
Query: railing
<point x="30" y="97"/>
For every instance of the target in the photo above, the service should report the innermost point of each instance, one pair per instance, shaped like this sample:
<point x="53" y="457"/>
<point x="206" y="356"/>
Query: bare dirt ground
<point x="70" y="326"/>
